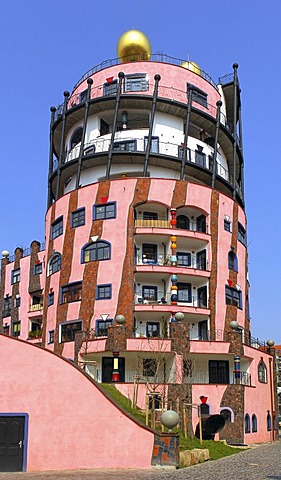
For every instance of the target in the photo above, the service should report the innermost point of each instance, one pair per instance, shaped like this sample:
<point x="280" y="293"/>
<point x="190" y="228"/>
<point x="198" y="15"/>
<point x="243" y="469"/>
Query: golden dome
<point x="192" y="66"/>
<point x="132" y="46"/>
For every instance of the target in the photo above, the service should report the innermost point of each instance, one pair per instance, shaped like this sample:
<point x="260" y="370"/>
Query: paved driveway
<point x="259" y="463"/>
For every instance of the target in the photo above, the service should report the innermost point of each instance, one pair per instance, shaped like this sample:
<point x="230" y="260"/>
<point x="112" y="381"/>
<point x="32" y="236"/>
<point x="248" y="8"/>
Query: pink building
<point x="143" y="279"/>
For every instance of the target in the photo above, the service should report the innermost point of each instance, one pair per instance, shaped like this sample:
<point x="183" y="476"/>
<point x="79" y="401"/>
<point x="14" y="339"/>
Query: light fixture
<point x="5" y="253"/>
<point x="124" y="119"/>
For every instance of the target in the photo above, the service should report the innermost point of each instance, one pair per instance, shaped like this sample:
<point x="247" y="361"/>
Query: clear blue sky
<point x="47" y="45"/>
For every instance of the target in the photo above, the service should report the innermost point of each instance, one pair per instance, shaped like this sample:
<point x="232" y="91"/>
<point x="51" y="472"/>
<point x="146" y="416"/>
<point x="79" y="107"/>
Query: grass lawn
<point x="216" y="449"/>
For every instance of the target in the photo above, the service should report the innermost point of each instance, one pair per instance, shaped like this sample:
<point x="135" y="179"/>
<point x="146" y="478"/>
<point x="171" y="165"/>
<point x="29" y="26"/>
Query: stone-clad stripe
<point x="231" y="311"/>
<point x="126" y="292"/>
<point x="91" y="268"/>
<point x="15" y="286"/>
<point x="214" y="269"/>
<point x="233" y="397"/>
<point x="48" y="252"/>
<point x="34" y="284"/>
<point x="67" y="256"/>
<point x="179" y="194"/>
<point x="4" y="263"/>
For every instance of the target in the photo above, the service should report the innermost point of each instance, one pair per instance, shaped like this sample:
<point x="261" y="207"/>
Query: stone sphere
<point x="270" y="343"/>
<point x="170" y="419"/>
<point x="233" y="324"/>
<point x="120" y="319"/>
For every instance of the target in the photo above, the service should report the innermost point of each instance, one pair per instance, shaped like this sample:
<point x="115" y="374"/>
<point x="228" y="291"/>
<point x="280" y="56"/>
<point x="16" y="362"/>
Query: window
<point x="83" y="96"/>
<point x="247" y="422"/>
<point x="254" y="424"/>
<point x="242" y="236"/>
<point x="54" y="264"/>
<point x="15" y="277"/>
<point x="76" y="137"/>
<point x="262" y="372"/>
<point x="268" y="422"/>
<point x="154" y="147"/>
<point x="201" y="260"/>
<point x="150" y="216"/>
<point x="38" y="268"/>
<point x="96" y="251"/>
<point x="71" y="293"/>
<point x="149" y="253"/>
<point x="233" y="297"/>
<point x="232" y="261"/>
<point x="201" y="224"/>
<point x="68" y="330"/>
<point x="198" y="96"/>
<point x="200" y="157"/>
<point x="125" y="146"/>
<point x="149" y="293"/>
<point x="184" y="292"/>
<point x="15" y="329"/>
<point x="203" y="330"/>
<point x="57" y="228"/>
<point x="227" y="225"/>
<point x="149" y="367"/>
<point x="184" y="259"/>
<point x="183" y="222"/>
<point x="7" y="306"/>
<point x="6" y="330"/>
<point x="226" y="413"/>
<point x="35" y="328"/>
<point x="202" y="299"/>
<point x="218" y="371"/>
<point x="104" y="292"/>
<point x="102" y="327"/>
<point x="153" y="329"/>
<point x="78" y="218"/>
<point x="17" y="301"/>
<point x="104" y="212"/>
<point x="136" y="83"/>
<point x="110" y="88"/>
<point x="51" y="298"/>
<point x="51" y="338"/>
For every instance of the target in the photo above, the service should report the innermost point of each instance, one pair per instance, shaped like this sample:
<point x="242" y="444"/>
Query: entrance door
<point x="11" y="443"/>
<point x="107" y="369"/>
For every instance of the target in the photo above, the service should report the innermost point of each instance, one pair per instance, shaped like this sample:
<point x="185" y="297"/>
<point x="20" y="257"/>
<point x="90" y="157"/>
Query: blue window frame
<point x="254" y="423"/>
<point x="184" y="259"/>
<point x="78" y="218"/>
<point x="110" y="88"/>
<point x="149" y="293"/>
<point x="184" y="292"/>
<point x="182" y="222"/>
<point x="247" y="423"/>
<point x="38" y="268"/>
<point x="104" y="212"/>
<point x="54" y="264"/>
<point x="104" y="292"/>
<point x="227" y="225"/>
<point x="262" y="372"/>
<point x="136" y="83"/>
<point x="100" y="250"/>
<point x="15" y="276"/>
<point x="242" y="235"/>
<point x="102" y="327"/>
<point x="232" y="261"/>
<point x="149" y="253"/>
<point x="152" y="329"/>
<point x="71" y="292"/>
<point x="57" y="228"/>
<point x="7" y="306"/>
<point x="51" y="299"/>
<point x="125" y="145"/>
<point x="233" y="297"/>
<point x="154" y="146"/>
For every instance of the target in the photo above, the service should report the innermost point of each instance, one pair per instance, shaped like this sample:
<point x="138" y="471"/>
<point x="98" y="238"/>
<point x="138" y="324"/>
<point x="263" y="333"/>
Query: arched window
<point x="183" y="222"/>
<point x="99" y="250"/>
<point x="54" y="264"/>
<point x="268" y="422"/>
<point x="254" y="423"/>
<point x="262" y="372"/>
<point x="227" y="415"/>
<point x="247" y="423"/>
<point x="232" y="261"/>
<point x="76" y="137"/>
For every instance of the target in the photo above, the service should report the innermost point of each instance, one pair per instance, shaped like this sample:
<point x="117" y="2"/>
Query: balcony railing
<point x="164" y="298"/>
<point x="163" y="222"/>
<point x="35" y="307"/>
<point x="27" y="252"/>
<point x="202" y="377"/>
<point x="162" y="260"/>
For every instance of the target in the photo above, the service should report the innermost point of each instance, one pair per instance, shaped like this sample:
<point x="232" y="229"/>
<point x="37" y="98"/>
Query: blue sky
<point x="46" y="46"/>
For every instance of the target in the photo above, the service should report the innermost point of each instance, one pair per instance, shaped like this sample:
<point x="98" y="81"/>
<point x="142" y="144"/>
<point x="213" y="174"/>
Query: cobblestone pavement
<point x="259" y="463"/>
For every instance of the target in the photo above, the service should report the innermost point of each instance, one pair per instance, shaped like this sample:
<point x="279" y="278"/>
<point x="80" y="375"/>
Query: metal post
<point x="241" y="147"/>
<point x="66" y="96"/>
<point x="90" y="83"/>
<point x="121" y="75"/>
<point x="235" y="87"/>
<point x="219" y="104"/>
<point x="188" y="113"/>
<point x="51" y="156"/>
<point x="157" y="79"/>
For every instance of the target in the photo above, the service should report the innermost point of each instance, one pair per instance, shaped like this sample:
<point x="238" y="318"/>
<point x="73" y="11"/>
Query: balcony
<point x="35" y="307"/>
<point x="202" y="377"/>
<point x="164" y="298"/>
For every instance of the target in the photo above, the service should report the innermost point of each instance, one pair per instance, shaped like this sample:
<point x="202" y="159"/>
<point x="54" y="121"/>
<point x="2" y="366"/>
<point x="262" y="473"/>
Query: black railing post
<point x="121" y="76"/>
<point x="90" y="83"/>
<point x="235" y="87"/>
<point x="186" y="130"/>
<point x="219" y="104"/>
<point x="157" y="79"/>
<point x="51" y="157"/>
<point x="241" y="147"/>
<point x="66" y="96"/>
